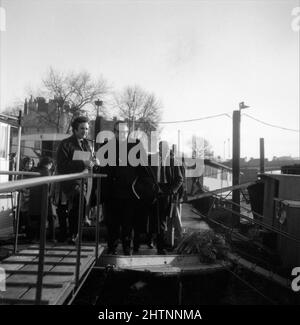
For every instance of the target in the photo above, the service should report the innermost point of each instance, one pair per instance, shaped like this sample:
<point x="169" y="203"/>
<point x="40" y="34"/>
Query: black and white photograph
<point x="150" y="156"/>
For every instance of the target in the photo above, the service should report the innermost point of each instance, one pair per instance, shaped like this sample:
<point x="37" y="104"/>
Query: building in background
<point x="6" y="219"/>
<point x="215" y="176"/>
<point x="44" y="125"/>
<point x="41" y="116"/>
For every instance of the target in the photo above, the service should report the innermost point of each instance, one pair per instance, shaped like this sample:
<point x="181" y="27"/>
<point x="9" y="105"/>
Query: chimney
<point x="25" y="107"/>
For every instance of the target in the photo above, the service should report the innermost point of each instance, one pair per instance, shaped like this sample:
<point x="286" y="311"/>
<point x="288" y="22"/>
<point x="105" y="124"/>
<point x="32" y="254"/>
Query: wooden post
<point x="262" y="155"/>
<point x="236" y="165"/>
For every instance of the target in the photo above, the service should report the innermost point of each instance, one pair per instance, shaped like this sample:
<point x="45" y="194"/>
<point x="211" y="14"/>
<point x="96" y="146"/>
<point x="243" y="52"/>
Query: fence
<point x="44" y="182"/>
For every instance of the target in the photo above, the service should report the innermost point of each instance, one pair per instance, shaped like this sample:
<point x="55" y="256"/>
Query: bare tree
<point x="201" y="147"/>
<point x="73" y="94"/>
<point x="140" y="108"/>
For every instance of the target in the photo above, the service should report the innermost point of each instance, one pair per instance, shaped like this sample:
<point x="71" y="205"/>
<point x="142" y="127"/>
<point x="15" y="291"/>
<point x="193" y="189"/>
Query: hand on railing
<point x="89" y="164"/>
<point x="96" y="161"/>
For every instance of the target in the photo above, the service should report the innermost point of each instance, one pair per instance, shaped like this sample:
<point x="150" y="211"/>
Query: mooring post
<point x="236" y="120"/>
<point x="262" y="155"/>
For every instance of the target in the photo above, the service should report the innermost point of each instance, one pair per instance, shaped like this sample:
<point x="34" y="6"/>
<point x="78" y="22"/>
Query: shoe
<point x="73" y="240"/>
<point x="87" y="222"/>
<point x="161" y="251"/>
<point x="150" y="245"/>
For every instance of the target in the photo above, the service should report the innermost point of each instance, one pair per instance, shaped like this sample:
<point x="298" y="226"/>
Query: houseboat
<point x="6" y="219"/>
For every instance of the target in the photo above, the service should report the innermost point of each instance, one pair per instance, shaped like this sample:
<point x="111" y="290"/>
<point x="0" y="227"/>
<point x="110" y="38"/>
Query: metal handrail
<point x="221" y="190"/>
<point x="38" y="181"/>
<point x="17" y="198"/>
<point x="44" y="181"/>
<point x="20" y="173"/>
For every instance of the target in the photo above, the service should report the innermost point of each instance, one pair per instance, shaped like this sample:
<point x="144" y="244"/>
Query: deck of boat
<point x="59" y="274"/>
<point x="149" y="263"/>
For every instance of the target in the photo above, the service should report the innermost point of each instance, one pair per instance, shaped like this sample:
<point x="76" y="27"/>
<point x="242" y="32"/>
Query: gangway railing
<point x="44" y="182"/>
<point x="16" y="213"/>
<point x="20" y="173"/>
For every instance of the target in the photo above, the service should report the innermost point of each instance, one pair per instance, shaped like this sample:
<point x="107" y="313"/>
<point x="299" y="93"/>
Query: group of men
<point x="131" y="195"/>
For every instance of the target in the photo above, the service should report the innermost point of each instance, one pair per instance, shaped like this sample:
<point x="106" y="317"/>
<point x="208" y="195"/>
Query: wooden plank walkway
<point x="59" y="273"/>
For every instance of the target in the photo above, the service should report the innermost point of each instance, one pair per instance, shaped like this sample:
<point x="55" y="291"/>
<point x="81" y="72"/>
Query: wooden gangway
<point x="59" y="276"/>
<point x="46" y="274"/>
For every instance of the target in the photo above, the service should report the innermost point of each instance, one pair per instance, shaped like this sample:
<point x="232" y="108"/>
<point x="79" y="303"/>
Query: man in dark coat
<point x="35" y="203"/>
<point x="169" y="178"/>
<point x="66" y="164"/>
<point x="120" y="201"/>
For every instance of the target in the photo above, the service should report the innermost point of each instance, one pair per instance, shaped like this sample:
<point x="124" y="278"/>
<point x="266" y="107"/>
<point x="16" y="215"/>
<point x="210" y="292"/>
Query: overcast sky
<point x="200" y="58"/>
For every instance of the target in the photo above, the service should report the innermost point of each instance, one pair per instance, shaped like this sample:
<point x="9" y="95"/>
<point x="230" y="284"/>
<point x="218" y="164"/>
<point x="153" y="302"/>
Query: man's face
<point x="121" y="131"/>
<point x="29" y="165"/>
<point x="82" y="131"/>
